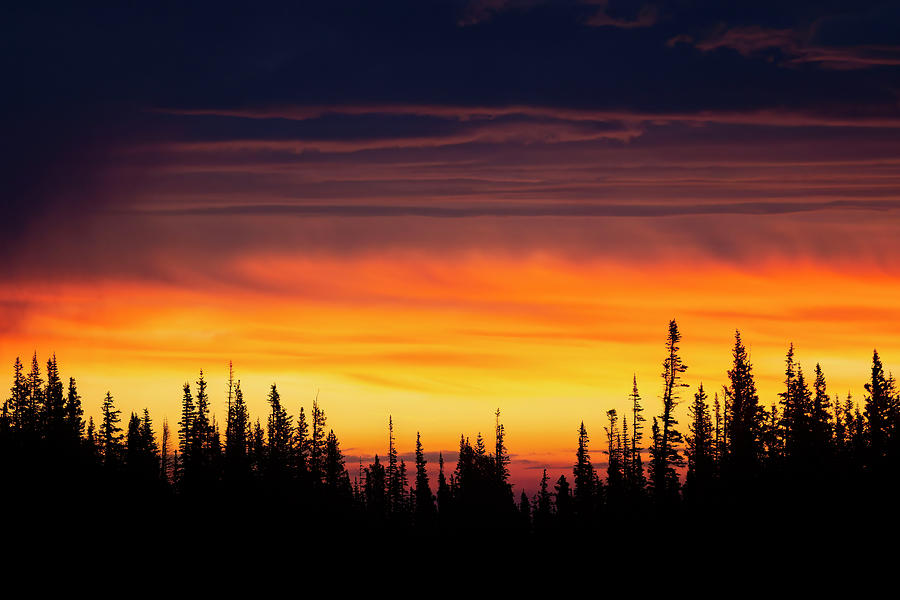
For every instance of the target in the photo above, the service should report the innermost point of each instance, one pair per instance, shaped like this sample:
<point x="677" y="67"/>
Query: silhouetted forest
<point x="808" y="455"/>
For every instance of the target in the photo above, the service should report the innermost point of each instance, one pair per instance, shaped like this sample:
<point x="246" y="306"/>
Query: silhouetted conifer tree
<point x="317" y="443"/>
<point x="700" y="450"/>
<point x="18" y="400"/>
<point x="543" y="504"/>
<point x="237" y="436"/>
<point x="525" y="511"/>
<point x="74" y="413"/>
<point x="877" y="410"/>
<point x="164" y="463"/>
<point x="424" y="501"/>
<point x="302" y="446"/>
<point x="34" y="400"/>
<point x="279" y="437"/>
<point x="376" y="501"/>
<point x="563" y="499"/>
<point x="110" y="434"/>
<point x="186" y="424"/>
<point x="665" y="478"/>
<point x="822" y="434"/>
<point x="615" y="465"/>
<point x="443" y="492"/>
<point x="584" y="477"/>
<point x="636" y="481"/>
<point x="54" y="407"/>
<point x="501" y="455"/>
<point x="337" y="480"/>
<point x="744" y="415"/>
<point x="394" y="489"/>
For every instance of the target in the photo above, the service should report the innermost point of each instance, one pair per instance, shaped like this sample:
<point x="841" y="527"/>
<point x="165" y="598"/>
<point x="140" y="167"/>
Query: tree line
<point x="805" y="452"/>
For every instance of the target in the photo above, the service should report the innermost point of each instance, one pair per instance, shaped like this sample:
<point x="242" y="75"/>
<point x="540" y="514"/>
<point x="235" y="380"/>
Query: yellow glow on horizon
<point x="439" y="343"/>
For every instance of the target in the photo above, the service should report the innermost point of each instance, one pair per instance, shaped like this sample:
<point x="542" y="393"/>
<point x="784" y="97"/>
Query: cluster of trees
<point x="734" y="449"/>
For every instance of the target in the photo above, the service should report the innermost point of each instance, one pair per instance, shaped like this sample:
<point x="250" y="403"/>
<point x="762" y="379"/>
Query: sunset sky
<point x="431" y="209"/>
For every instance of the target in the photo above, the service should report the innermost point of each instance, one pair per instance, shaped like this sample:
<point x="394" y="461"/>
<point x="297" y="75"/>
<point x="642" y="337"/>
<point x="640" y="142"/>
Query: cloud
<point x="793" y="47"/>
<point x="647" y="16"/>
<point x="538" y="211"/>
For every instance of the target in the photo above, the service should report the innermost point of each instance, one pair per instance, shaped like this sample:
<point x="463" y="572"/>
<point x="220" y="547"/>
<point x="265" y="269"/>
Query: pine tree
<point x="877" y="409"/>
<point x="743" y="413"/>
<point x="401" y="505"/>
<point x="74" y="413"/>
<point x="34" y="399"/>
<point x="90" y="441"/>
<point x="424" y="501"/>
<point x="237" y="435"/>
<point x="149" y="440"/>
<point x="394" y="490"/>
<point x="186" y="424"/>
<point x="788" y="403"/>
<point x="18" y="400"/>
<point x="501" y="456"/>
<point x="821" y="418"/>
<point x="700" y="446"/>
<point x="53" y="414"/>
<point x="202" y="431"/>
<point x="110" y="434"/>
<point x="375" y="490"/>
<point x="543" y="503"/>
<point x="443" y="492"/>
<point x="584" y="477"/>
<point x="337" y="480"/>
<point x="279" y="436"/>
<point x="563" y="499"/>
<point x="665" y="481"/>
<point x="525" y="510"/>
<point x="317" y="443"/>
<point x="164" y="453"/>
<point x="637" y="482"/>
<point x="302" y="446"/>
<point x="615" y="470"/>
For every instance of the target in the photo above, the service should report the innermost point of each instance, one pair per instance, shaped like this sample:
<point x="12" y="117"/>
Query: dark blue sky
<point x="101" y="99"/>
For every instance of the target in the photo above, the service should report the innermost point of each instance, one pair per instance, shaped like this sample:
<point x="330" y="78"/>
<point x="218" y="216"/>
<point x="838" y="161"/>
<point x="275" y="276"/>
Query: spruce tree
<point x="443" y="491"/>
<point x="317" y="443"/>
<point x="501" y="456"/>
<point x="18" y="399"/>
<point x="743" y="413"/>
<point x="584" y="477"/>
<point x="877" y="410"/>
<point x="337" y="480"/>
<point x="279" y="436"/>
<point x="375" y="490"/>
<point x="424" y="500"/>
<point x="665" y="478"/>
<point x="34" y="399"/>
<point x="615" y="471"/>
<point x="74" y="412"/>
<point x="110" y="433"/>
<point x="164" y="453"/>
<point x="637" y="482"/>
<point x="186" y="424"/>
<point x="821" y="418"/>
<point x="237" y="436"/>
<point x="543" y="503"/>
<point x="700" y="451"/>
<point x="53" y="414"/>
<point x="394" y="489"/>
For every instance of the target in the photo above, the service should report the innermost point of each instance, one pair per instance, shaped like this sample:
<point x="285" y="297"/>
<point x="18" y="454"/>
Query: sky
<point x="430" y="209"/>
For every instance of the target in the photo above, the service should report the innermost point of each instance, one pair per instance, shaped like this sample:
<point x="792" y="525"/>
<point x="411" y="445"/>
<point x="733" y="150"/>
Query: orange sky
<point x="440" y="342"/>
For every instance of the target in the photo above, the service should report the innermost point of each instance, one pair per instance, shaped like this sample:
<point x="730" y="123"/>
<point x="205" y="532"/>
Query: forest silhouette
<point x="805" y="457"/>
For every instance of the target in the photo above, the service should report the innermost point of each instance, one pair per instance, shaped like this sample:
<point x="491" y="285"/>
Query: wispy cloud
<point x="794" y="47"/>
